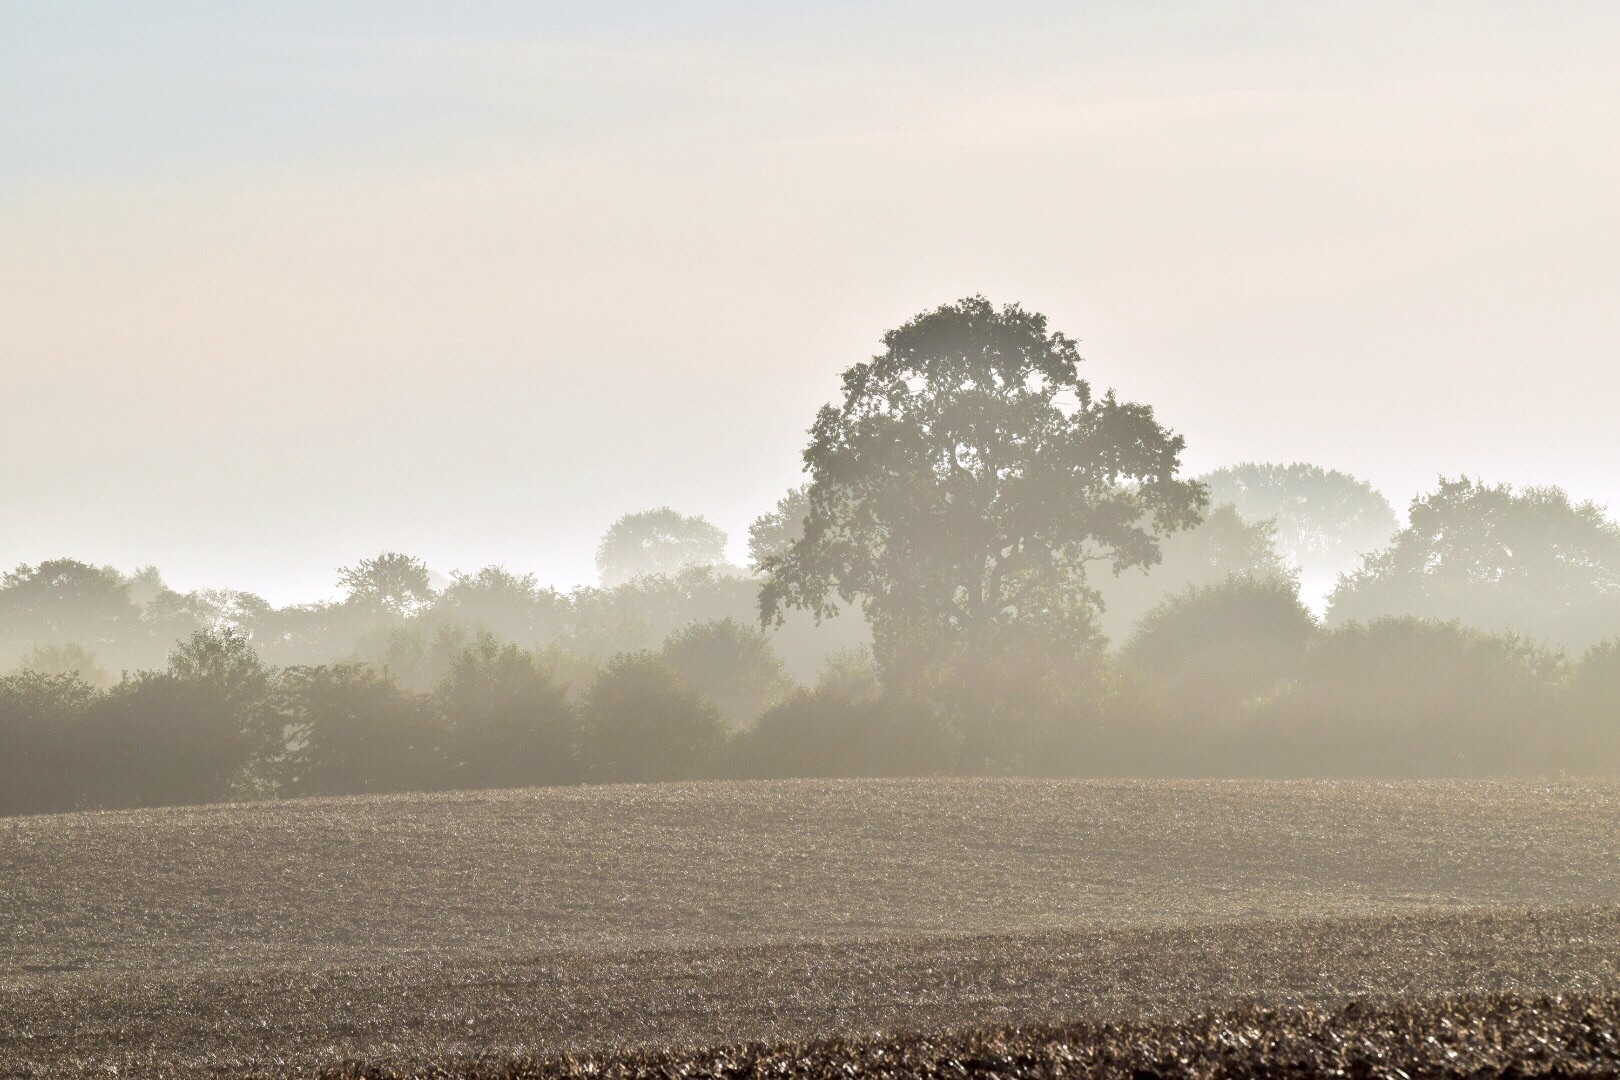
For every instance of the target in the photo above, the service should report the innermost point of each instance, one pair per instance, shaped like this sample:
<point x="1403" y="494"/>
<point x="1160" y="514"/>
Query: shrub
<point x="1412" y="697"/>
<point x="508" y="721"/>
<point x="732" y="664"/>
<point x="182" y="735"/>
<point x="1212" y="647"/>
<point x="347" y="728"/>
<point x="847" y="726"/>
<point x="38" y="717"/>
<point x="643" y="722"/>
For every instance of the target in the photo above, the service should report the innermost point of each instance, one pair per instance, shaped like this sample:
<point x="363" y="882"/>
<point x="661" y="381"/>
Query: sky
<point x="286" y="285"/>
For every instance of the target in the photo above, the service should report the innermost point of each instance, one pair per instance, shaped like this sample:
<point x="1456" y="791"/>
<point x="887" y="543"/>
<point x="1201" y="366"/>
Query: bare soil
<point x="283" y="937"/>
<point x="1468" y="1037"/>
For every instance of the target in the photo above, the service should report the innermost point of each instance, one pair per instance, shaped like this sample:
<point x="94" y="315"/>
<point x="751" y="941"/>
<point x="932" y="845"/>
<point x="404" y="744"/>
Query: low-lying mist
<point x="990" y="570"/>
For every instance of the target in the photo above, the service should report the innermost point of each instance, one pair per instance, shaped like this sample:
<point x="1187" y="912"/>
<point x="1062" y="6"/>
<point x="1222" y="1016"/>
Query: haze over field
<point x="719" y="538"/>
<point x="287" y="284"/>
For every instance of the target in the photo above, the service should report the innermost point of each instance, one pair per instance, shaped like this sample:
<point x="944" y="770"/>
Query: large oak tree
<point x="968" y="486"/>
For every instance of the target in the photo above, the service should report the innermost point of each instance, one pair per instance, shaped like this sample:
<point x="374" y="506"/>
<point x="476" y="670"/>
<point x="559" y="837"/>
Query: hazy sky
<point x="285" y="284"/>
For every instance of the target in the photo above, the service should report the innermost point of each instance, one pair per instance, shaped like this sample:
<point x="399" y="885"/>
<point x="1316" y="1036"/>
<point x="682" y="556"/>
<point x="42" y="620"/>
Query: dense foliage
<point x="966" y="488"/>
<point x="1231" y="679"/>
<point x="1532" y="561"/>
<point x="1022" y="583"/>
<point x="1325" y="520"/>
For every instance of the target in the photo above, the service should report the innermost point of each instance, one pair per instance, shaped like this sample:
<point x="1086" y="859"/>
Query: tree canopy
<point x="1324" y="519"/>
<point x="657" y="541"/>
<point x="392" y="583"/>
<point x="1530" y="560"/>
<point x="968" y="481"/>
<point x="64" y="601"/>
<point x="1221" y="547"/>
<point x="775" y="532"/>
<point x="513" y="607"/>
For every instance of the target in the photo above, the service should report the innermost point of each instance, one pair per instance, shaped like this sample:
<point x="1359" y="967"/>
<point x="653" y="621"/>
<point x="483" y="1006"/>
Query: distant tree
<point x="1530" y="561"/>
<point x="965" y="487"/>
<point x="643" y="722"/>
<point x="509" y="722"/>
<point x="40" y="771"/>
<point x="642" y="612"/>
<point x="62" y="601"/>
<point x="1212" y="647"/>
<point x="305" y="635"/>
<point x="172" y="616"/>
<point x="775" y="533"/>
<point x="1222" y="546"/>
<point x="1407" y="697"/>
<point x="182" y="735"/>
<point x="419" y="657"/>
<point x="1325" y="520"/>
<point x="348" y="728"/>
<point x="513" y="607"/>
<point x="390" y="583"/>
<point x="732" y="664"/>
<point x="645" y="610"/>
<point x="657" y="542"/>
<point x="70" y="659"/>
<point x="145" y="585"/>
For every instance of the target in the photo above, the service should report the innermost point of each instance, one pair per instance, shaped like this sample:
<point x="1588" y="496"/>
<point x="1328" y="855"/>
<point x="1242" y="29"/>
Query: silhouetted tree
<point x="1407" y="697"/>
<point x="732" y="664"/>
<point x="657" y="542"/>
<point x="391" y="583"/>
<point x="509" y="722"/>
<point x="1325" y="520"/>
<point x="183" y="735"/>
<point x="965" y="485"/>
<point x="1212" y="647"/>
<point x="775" y="533"/>
<point x="1530" y="561"/>
<point x="348" y="728"/>
<point x="644" y="723"/>
<point x="62" y="601"/>
<point x="40" y="772"/>
<point x="225" y="663"/>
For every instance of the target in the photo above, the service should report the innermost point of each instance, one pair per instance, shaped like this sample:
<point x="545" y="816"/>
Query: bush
<point x="1414" y="698"/>
<point x="1212" y="647"/>
<point x="732" y="664"/>
<point x="846" y="726"/>
<point x="644" y="723"/>
<point x="183" y="735"/>
<point x="38" y="717"/>
<point x="509" y="723"/>
<point x="346" y="728"/>
<point x="1594" y="708"/>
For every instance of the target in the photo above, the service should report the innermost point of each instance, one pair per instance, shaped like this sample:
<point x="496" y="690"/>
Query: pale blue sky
<point x="283" y="284"/>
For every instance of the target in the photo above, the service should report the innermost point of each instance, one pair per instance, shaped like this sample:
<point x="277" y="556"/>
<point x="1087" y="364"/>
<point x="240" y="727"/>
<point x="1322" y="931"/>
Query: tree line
<point x="990" y="568"/>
